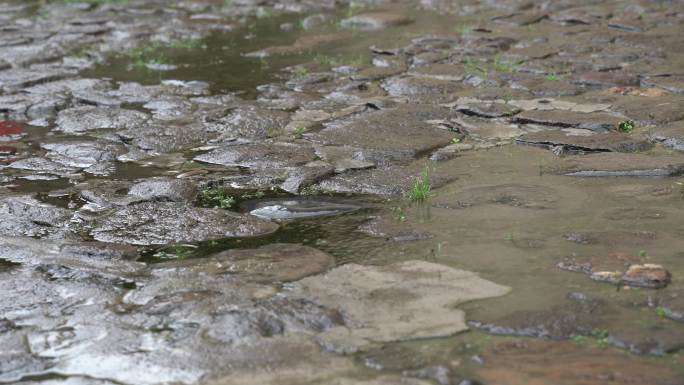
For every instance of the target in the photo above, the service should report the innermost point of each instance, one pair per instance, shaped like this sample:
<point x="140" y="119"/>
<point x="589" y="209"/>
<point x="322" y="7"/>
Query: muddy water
<point x="177" y="275"/>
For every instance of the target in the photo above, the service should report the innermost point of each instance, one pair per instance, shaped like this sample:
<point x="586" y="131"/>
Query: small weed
<point x="601" y="336"/>
<point x="299" y="72"/>
<point x="661" y="312"/>
<point x="217" y="197"/>
<point x="626" y="126"/>
<point x="311" y="190"/>
<point x="471" y="68"/>
<point x="502" y="66"/>
<point x="580" y="340"/>
<point x="299" y="131"/>
<point x="421" y="188"/>
<point x="602" y="343"/>
<point x="176" y="252"/>
<point x="551" y="77"/>
<point x="328" y="62"/>
<point x="255" y="195"/>
<point x="399" y="214"/>
<point x="508" y="237"/>
<point x="599" y="333"/>
<point x="147" y="53"/>
<point x="456" y="140"/>
<point x="643" y="253"/>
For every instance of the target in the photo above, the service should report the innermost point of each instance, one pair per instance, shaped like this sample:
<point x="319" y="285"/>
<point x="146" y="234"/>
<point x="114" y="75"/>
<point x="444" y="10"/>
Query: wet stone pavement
<point x="224" y="192"/>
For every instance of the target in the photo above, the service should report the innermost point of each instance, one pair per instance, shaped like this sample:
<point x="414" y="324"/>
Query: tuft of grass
<point x="147" y="53"/>
<point x="421" y="188"/>
<point x="580" y="340"/>
<point x="217" y="197"/>
<point x="551" y="77"/>
<point x="626" y="126"/>
<point x="503" y="66"/>
<point x="471" y="68"/>
<point x="300" y="72"/>
<point x="601" y="336"/>
<point x="328" y="61"/>
<point x="661" y="312"/>
<point x="299" y="132"/>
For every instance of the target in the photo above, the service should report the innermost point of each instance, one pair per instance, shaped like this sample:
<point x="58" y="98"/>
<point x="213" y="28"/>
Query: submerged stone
<point x="620" y="164"/>
<point x="278" y="262"/>
<point x="617" y="269"/>
<point x="375" y="20"/>
<point x="299" y="208"/>
<point x="526" y="362"/>
<point x="578" y="140"/>
<point x="515" y="195"/>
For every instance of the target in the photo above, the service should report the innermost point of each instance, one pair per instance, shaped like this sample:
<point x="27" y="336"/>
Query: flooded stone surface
<point x="341" y="192"/>
<point x="536" y="362"/>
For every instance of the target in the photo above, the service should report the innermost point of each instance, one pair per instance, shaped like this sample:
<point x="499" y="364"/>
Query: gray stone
<point x="164" y="190"/>
<point x="82" y="119"/>
<point x="259" y="155"/>
<point x="154" y="223"/>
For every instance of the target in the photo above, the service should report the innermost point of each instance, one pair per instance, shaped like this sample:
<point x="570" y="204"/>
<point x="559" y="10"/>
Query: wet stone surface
<point x="323" y="192"/>
<point x="154" y="223"/>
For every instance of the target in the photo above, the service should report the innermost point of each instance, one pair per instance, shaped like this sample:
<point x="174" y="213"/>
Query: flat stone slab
<point x="259" y="155"/>
<point x="422" y="89"/>
<point x="403" y="301"/>
<point x="620" y="164"/>
<point x="83" y="119"/>
<point x="389" y="181"/>
<point x="17" y="78"/>
<point x="596" y="121"/>
<point x="156" y="223"/>
<point x="671" y="135"/>
<point x="24" y="215"/>
<point x="586" y="140"/>
<point x="402" y="133"/>
<point x="253" y="122"/>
